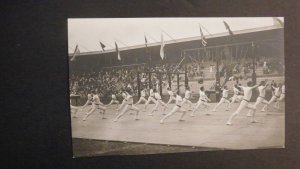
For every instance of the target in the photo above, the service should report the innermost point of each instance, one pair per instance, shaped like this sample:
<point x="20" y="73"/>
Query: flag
<point x="228" y="28"/>
<point x="277" y="21"/>
<point x="76" y="51"/>
<point x="118" y="52"/>
<point x="203" y="40"/>
<point x="146" y="42"/>
<point x="102" y="46"/>
<point x="162" y="52"/>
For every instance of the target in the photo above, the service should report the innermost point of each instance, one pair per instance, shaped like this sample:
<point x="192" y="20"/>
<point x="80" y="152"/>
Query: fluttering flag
<point x="228" y="28"/>
<point x="118" y="52"/>
<point x="102" y="46"/>
<point x="76" y="52"/>
<point x="203" y="40"/>
<point x="162" y="52"/>
<point x="146" y="42"/>
<point x="277" y="21"/>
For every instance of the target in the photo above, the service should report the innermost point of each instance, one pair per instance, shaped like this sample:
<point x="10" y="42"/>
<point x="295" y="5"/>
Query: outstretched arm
<point x="206" y="97"/>
<point x="255" y="86"/>
<point x="266" y="85"/>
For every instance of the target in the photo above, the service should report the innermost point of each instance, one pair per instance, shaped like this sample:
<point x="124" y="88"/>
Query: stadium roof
<point x="223" y="34"/>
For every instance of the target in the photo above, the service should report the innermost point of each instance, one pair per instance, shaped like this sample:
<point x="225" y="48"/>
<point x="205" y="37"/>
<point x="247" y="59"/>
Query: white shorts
<point x="98" y="106"/>
<point x="223" y="100"/>
<point x="282" y="96"/>
<point x="178" y="109"/>
<point x="260" y="100"/>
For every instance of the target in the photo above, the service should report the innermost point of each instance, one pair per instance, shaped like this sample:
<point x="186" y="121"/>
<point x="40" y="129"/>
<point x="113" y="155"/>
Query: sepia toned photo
<point x="169" y="85"/>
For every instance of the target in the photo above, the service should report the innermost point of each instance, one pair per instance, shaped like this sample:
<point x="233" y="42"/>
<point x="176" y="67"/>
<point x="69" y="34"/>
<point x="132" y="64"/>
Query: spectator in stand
<point x="211" y="67"/>
<point x="265" y="67"/>
<point x="236" y="68"/>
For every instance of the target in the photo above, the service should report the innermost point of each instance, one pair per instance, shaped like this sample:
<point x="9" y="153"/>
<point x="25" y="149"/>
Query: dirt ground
<point x="87" y="147"/>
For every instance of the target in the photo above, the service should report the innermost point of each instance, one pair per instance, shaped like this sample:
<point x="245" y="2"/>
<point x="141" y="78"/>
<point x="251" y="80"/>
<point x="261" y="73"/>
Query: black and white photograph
<point x="170" y="85"/>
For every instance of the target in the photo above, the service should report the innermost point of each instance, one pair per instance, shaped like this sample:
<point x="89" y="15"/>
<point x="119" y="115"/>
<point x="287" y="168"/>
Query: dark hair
<point x="177" y="92"/>
<point x="202" y="88"/>
<point x="262" y="83"/>
<point x="250" y="83"/>
<point x="128" y="90"/>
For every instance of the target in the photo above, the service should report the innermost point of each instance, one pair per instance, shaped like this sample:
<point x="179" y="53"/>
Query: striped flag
<point x="203" y="40"/>
<point x="162" y="52"/>
<point x="228" y="28"/>
<point x="76" y="52"/>
<point x="102" y="46"/>
<point x="118" y="52"/>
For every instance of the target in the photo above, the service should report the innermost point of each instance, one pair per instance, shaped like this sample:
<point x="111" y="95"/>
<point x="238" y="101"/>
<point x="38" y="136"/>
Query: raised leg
<point x="240" y="108"/>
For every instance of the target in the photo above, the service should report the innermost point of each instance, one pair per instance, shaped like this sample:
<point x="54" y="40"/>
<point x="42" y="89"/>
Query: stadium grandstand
<point x="247" y="54"/>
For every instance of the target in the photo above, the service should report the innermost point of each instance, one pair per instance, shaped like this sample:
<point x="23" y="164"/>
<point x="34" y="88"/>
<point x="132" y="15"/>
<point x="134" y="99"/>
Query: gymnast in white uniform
<point x="282" y="96"/>
<point x="113" y="100"/>
<point x="261" y="98"/>
<point x="224" y="99"/>
<point x="158" y="102"/>
<point x="150" y="99"/>
<point x="89" y="102"/>
<point x="245" y="102"/>
<point x="97" y="104"/>
<point x="128" y="106"/>
<point x="187" y="97"/>
<point x="124" y="95"/>
<point x="142" y="98"/>
<point x="275" y="97"/>
<point x="203" y="99"/>
<point x="171" y="94"/>
<point x="237" y="94"/>
<point x="176" y="108"/>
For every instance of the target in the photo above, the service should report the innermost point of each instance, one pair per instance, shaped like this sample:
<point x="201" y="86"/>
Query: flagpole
<point x="205" y="29"/>
<point x="151" y="37"/>
<point x="168" y="35"/>
<point x="84" y="48"/>
<point x="120" y="42"/>
<point x="185" y="72"/>
<point x="147" y="52"/>
<point x="253" y="62"/>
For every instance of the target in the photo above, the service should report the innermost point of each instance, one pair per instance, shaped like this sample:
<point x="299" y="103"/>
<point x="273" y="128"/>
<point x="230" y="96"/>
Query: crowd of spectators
<point x="111" y="80"/>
